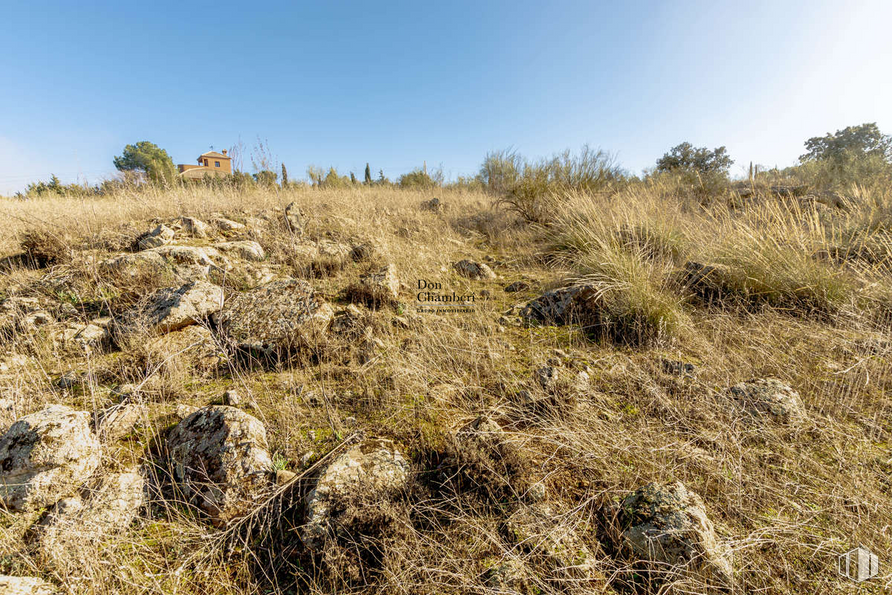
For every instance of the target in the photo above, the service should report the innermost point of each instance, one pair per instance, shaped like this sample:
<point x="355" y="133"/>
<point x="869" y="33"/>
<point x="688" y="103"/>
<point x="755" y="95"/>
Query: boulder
<point x="277" y="319"/>
<point x="244" y="249"/>
<point x="156" y="238"/>
<point x="220" y="461"/>
<point x="195" y="227"/>
<point x="191" y="255"/>
<point x="132" y="264"/>
<point x="576" y="304"/>
<point x="100" y="510"/>
<point x="769" y="399"/>
<point x="170" y="309"/>
<point x="294" y="219"/>
<point x="473" y="270"/>
<point x="46" y="456"/>
<point x="549" y="539"/>
<point x="191" y="350"/>
<point x="372" y="470"/>
<point x="118" y="420"/>
<point x="25" y="585"/>
<point x="224" y="224"/>
<point x="381" y="287"/>
<point x="667" y="524"/>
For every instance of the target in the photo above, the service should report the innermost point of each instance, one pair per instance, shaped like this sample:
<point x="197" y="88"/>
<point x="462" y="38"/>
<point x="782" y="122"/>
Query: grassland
<point x="802" y="293"/>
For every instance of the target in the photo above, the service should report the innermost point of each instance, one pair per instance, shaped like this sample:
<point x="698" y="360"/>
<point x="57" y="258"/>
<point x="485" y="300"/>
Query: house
<point x="209" y="164"/>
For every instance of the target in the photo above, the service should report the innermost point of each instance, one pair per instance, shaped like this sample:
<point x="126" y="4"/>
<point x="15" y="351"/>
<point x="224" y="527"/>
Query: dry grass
<point x="785" y="500"/>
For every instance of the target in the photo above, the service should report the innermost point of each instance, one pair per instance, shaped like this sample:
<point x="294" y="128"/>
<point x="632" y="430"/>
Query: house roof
<point x="215" y="155"/>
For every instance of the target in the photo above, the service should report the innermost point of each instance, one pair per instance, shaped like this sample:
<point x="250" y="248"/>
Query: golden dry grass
<point x="785" y="500"/>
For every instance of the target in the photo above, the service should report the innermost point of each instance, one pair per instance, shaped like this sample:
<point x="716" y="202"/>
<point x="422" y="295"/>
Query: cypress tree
<point x="284" y="176"/>
<point x="368" y="175"/>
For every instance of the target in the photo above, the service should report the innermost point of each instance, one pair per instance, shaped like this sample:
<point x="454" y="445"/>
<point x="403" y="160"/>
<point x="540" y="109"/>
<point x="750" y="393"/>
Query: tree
<point x="852" y="141"/>
<point x="368" y="175"/>
<point x="284" y="176"/>
<point x="149" y="160"/>
<point x="695" y="159"/>
<point x="352" y="178"/>
<point x="265" y="178"/>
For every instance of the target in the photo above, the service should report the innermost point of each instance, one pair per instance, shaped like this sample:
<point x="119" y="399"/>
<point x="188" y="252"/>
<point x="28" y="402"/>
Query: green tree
<point x="265" y="178"/>
<point x="368" y="175"/>
<point x="284" y="176"/>
<point x="352" y="178"/>
<point x="695" y="159"/>
<point x="149" y="160"/>
<point x="865" y="140"/>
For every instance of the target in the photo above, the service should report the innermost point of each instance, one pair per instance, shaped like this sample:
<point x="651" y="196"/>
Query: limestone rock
<point x="667" y="524"/>
<point x="170" y="309"/>
<point x="294" y="219"/>
<point x="193" y="350"/>
<point x="473" y="270"/>
<point x="377" y="287"/>
<point x="25" y="585"/>
<point x="46" y="456"/>
<point x="100" y="510"/>
<point x="156" y="238"/>
<point x="191" y="255"/>
<point x="118" y="420"/>
<point x="244" y="249"/>
<point x="195" y="227"/>
<point x="220" y="460"/>
<point x="132" y="264"/>
<point x="277" y="319"/>
<point x="372" y="470"/>
<point x="224" y="224"/>
<point x="769" y="398"/>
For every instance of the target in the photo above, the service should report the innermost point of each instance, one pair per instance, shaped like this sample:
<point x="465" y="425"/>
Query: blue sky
<point x="399" y="83"/>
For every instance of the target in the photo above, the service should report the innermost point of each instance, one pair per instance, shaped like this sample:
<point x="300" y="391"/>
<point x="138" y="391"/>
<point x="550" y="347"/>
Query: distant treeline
<point x="857" y="155"/>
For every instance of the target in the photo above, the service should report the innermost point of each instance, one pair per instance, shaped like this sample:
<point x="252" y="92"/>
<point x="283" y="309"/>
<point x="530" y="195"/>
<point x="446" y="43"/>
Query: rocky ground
<point x="254" y="400"/>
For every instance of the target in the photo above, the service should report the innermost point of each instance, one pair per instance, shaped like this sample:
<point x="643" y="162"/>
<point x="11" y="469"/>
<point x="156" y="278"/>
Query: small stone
<point x="517" y="286"/>
<point x="473" y="270"/>
<point x="307" y="458"/>
<point x="25" y="585"/>
<point x="284" y="476"/>
<point x="67" y="381"/>
<point x="232" y="398"/>
<point x="537" y="492"/>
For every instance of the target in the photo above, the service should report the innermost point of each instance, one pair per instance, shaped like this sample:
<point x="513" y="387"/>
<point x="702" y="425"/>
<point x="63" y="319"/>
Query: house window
<point x="216" y="164"/>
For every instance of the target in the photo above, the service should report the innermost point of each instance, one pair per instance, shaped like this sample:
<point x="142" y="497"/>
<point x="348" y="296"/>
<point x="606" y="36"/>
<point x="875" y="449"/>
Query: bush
<point x="419" y="179"/>
<point x="533" y="190"/>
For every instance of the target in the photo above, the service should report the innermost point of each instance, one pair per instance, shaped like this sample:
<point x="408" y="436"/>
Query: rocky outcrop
<point x="45" y="456"/>
<point x="372" y="470"/>
<point x="220" y="461"/>
<point x="244" y="249"/>
<point x="171" y="309"/>
<point x="193" y="349"/>
<point x="667" y="524"/>
<point x="473" y="270"/>
<point x="277" y="319"/>
<point x="99" y="510"/>
<point x="156" y="238"/>
<point x="195" y="227"/>
<point x="769" y="399"/>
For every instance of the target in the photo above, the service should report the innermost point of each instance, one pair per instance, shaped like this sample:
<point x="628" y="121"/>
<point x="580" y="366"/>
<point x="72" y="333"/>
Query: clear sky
<point x="398" y="83"/>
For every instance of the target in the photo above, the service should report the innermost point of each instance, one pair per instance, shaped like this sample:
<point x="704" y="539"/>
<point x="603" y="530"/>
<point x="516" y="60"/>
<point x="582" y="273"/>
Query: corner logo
<point x="859" y="564"/>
